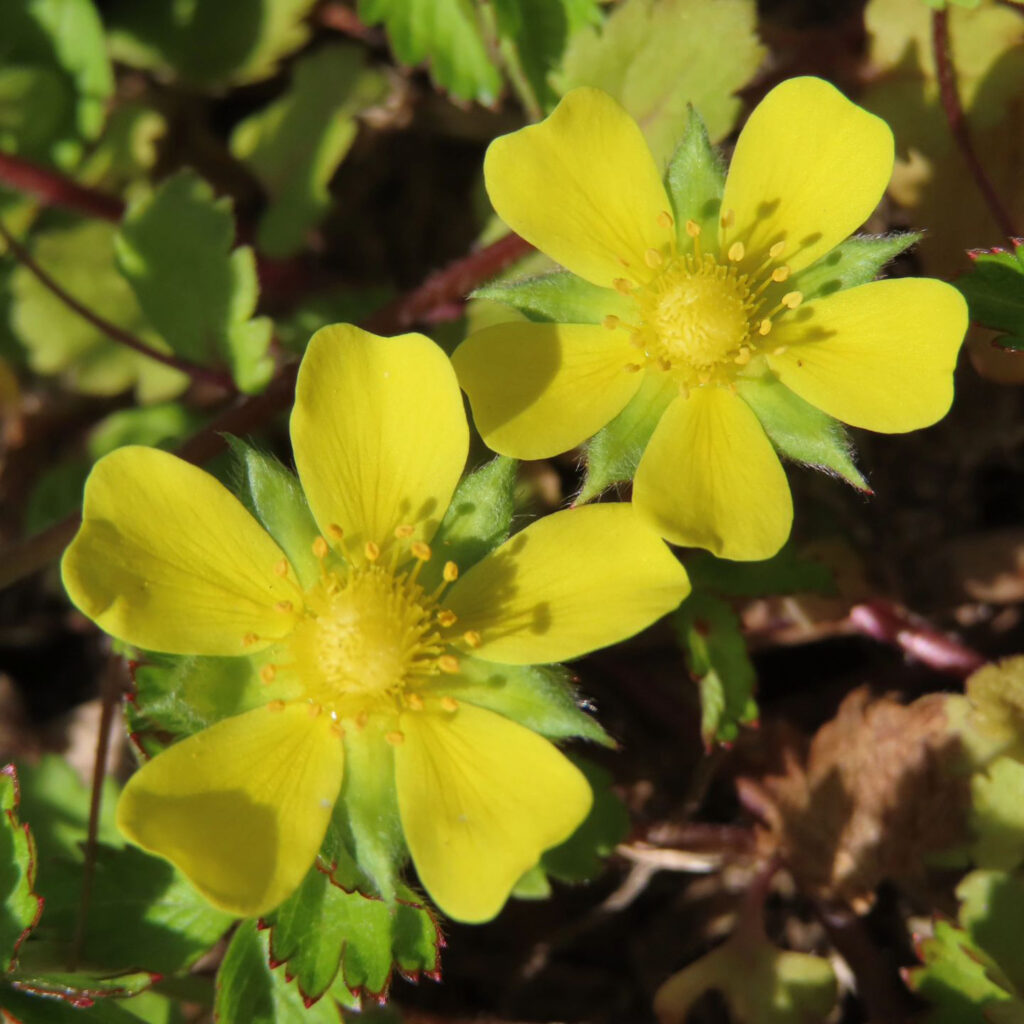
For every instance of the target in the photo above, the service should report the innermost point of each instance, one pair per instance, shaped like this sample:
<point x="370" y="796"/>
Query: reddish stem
<point x="950" y="96"/>
<point x="54" y="189"/>
<point x="890" y="624"/>
<point x="122" y="337"/>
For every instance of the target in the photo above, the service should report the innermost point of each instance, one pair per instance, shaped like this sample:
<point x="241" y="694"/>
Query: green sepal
<point x="559" y="297"/>
<point x="582" y="856"/>
<point x="853" y="262"/>
<point x="540" y="697"/>
<point x="329" y="937"/>
<point x="175" y="248"/>
<point x="534" y="885"/>
<point x="477" y="521"/>
<point x="786" y="572"/>
<point x="716" y="656"/>
<point x="250" y="992"/>
<point x="614" y="452"/>
<point x="798" y="430"/>
<point x="274" y="496"/>
<point x="695" y="181"/>
<point x="21" y="906"/>
<point x="994" y="290"/>
<point x="992" y="908"/>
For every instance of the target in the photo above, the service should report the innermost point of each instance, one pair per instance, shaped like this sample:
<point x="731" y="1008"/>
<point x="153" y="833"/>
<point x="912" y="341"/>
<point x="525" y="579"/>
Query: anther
<point x="448" y="663"/>
<point x="404" y="531"/>
<point x="728" y="218"/>
<point x="267" y="674"/>
<point x="249" y="639"/>
<point x="421" y="551"/>
<point x="742" y="357"/>
<point x="792" y="299"/>
<point x="276" y="705"/>
<point x="337" y="730"/>
<point x="737" y="251"/>
<point x="447" y="618"/>
<point x="335" y="531"/>
<point x="449" y="704"/>
<point x="451" y="572"/>
<point x="372" y="551"/>
<point x="611" y="321"/>
<point x="315" y="710"/>
<point x="284" y="606"/>
<point x="281" y="569"/>
<point x="779" y="274"/>
<point x="777" y="250"/>
<point x="395" y="738"/>
<point x="692" y="228"/>
<point x="778" y="351"/>
<point x="665" y="364"/>
<point x="764" y="327"/>
<point x="622" y="286"/>
<point x="414" y="701"/>
<point x="361" y="719"/>
<point x="472" y="638"/>
<point x="633" y="367"/>
<point x="665" y="219"/>
<point x="653" y="259"/>
<point x="320" y="548"/>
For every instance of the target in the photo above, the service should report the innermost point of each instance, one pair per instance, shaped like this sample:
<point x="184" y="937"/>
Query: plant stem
<point x="949" y="93"/>
<point x="54" y="189"/>
<point x="122" y="337"/>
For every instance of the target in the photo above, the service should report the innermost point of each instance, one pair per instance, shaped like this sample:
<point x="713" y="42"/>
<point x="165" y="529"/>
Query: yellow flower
<point x="690" y="315"/>
<point x="369" y="659"/>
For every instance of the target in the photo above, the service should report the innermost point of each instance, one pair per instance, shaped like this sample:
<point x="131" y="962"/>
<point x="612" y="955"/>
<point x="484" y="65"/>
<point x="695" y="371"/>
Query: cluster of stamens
<point x="371" y="638"/>
<point x="699" y="317"/>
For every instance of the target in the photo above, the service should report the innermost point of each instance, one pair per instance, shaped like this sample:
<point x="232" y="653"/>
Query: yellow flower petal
<point x="240" y="808"/>
<point x="540" y="389"/>
<point x="711" y="479"/>
<point x="569" y="583"/>
<point x="880" y="356"/>
<point x="379" y="433"/>
<point x="583" y="188"/>
<point x="809" y="168"/>
<point x="481" y="798"/>
<point x="168" y="559"/>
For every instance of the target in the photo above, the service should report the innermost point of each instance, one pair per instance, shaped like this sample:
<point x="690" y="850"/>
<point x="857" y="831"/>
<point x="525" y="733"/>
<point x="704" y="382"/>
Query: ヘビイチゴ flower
<point x="365" y="659"/>
<point x="692" y="314"/>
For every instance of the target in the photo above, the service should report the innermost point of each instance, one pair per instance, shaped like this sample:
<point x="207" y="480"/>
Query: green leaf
<point x="275" y="497"/>
<point x="477" y="521"/>
<point x="540" y="697"/>
<point x="614" y="452"/>
<point x="127" y="150"/>
<point x="992" y="908"/>
<point x="446" y="33"/>
<point x="346" y="305"/>
<point x="196" y="43"/>
<point x="695" y="180"/>
<point x="800" y="431"/>
<point x="957" y="978"/>
<point x="55" y="80"/>
<point x="656" y="57"/>
<point x="582" y="856"/>
<point x="142" y="913"/>
<point x="559" y="297"/>
<point x="249" y="992"/>
<point x="77" y="987"/>
<point x="25" y="1008"/>
<point x="784" y="573"/>
<point x="154" y="425"/>
<point x="994" y="289"/>
<point x="295" y="144"/>
<point x="56" y="493"/>
<point x="175" y="249"/>
<point x="716" y="656"/>
<point x="997" y="815"/>
<point x="853" y="262"/>
<point x="326" y="935"/>
<point x="59" y="341"/>
<point x="20" y="907"/>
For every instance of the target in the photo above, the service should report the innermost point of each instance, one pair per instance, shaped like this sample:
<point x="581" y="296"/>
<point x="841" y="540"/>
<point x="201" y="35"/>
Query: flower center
<point x="702" y="318"/>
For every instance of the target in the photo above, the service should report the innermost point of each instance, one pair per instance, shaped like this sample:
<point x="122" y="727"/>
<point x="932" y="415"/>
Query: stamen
<point x="737" y="251"/>
<point x="653" y="259"/>
<point x="472" y="638"/>
<point x="633" y="367"/>
<point x="315" y="710"/>
<point x="764" y="327"/>
<point x="692" y="228"/>
<point x="665" y="364"/>
<point x="777" y="250"/>
<point x="337" y="730"/>
<point x="249" y="639"/>
<point x="792" y="299"/>
<point x="361" y="719"/>
<point x="451" y="572"/>
<point x="276" y="705"/>
<point x="778" y="351"/>
<point x="404" y="531"/>
<point x="414" y="701"/>
<point x="267" y="674"/>
<point x="421" y="551"/>
<point x="743" y="356"/>
<point x="622" y="286"/>
<point x="372" y="551"/>
<point x="320" y="548"/>
<point x="611" y="321"/>
<point x="728" y="218"/>
<point x="447" y="619"/>
<point x="449" y="704"/>
<point x="448" y="663"/>
<point x="284" y="606"/>
<point x="395" y="738"/>
<point x="335" y="531"/>
<point x="281" y="569"/>
<point x="665" y="219"/>
<point x="779" y="274"/>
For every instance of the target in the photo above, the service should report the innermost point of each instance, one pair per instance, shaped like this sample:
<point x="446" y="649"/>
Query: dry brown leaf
<point x="873" y="797"/>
